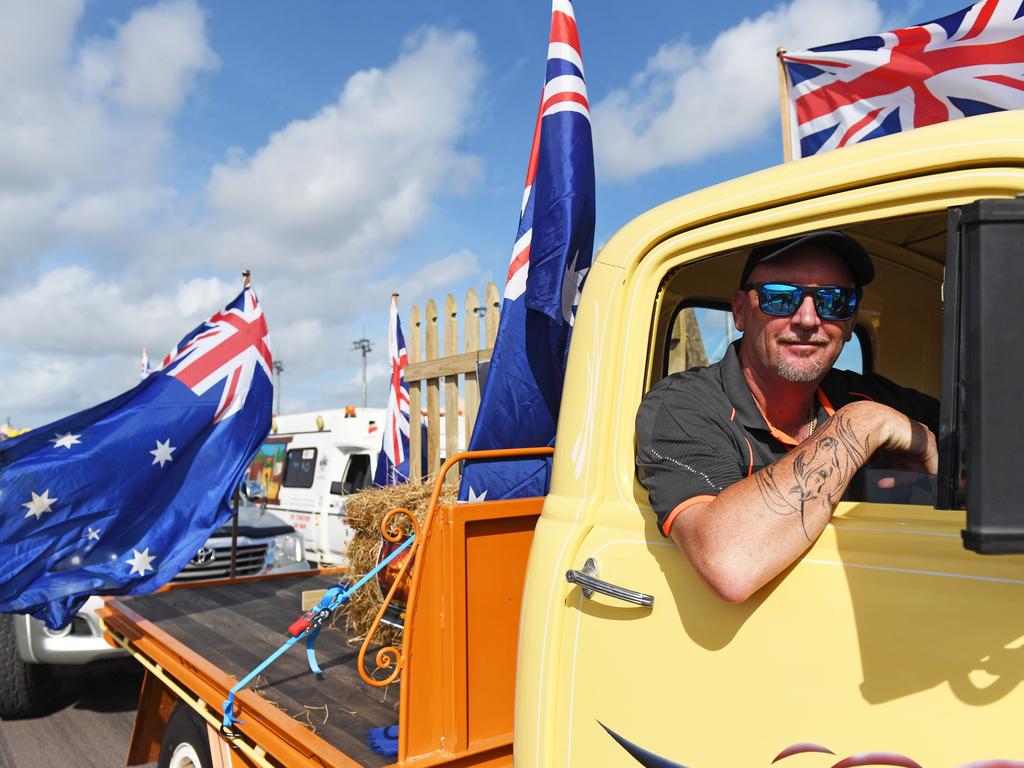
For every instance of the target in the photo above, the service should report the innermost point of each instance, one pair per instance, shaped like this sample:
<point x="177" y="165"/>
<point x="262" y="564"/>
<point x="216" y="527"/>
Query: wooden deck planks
<point x="236" y="626"/>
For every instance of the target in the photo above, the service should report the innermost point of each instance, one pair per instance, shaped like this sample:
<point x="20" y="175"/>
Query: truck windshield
<point x="357" y="473"/>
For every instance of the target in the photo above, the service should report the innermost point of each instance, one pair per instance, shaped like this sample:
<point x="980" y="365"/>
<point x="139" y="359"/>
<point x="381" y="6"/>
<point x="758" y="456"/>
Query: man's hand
<point x="912" y="440"/>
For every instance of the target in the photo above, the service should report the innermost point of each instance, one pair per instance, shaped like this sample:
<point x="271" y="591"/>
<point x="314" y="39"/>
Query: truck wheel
<point x="185" y="743"/>
<point x="25" y="689"/>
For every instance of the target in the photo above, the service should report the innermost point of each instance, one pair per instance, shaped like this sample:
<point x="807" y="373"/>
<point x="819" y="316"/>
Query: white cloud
<point x="151" y="64"/>
<point x="75" y="312"/>
<point x="321" y="367"/>
<point x="430" y="280"/>
<point x="320" y="363"/>
<point x="35" y="43"/>
<point x="75" y="338"/>
<point x="691" y="102"/>
<point x="84" y="131"/>
<point x="357" y="178"/>
<point x="38" y="386"/>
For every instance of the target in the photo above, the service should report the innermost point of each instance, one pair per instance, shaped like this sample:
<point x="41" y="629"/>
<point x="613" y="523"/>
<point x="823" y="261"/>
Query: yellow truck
<point x="567" y="631"/>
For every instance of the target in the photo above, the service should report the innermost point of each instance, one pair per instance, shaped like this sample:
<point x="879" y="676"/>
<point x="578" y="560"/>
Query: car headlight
<point x="288" y="549"/>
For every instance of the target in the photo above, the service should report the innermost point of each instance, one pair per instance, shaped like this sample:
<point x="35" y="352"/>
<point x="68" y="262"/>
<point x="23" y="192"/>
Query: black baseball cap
<point x="842" y="245"/>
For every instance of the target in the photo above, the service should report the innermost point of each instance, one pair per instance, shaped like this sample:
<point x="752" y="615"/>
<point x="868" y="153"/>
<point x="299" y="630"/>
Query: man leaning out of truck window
<point x="745" y="460"/>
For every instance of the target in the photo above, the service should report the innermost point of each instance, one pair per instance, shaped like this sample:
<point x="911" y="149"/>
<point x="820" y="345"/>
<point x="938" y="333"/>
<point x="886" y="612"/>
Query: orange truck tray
<point x="207" y="638"/>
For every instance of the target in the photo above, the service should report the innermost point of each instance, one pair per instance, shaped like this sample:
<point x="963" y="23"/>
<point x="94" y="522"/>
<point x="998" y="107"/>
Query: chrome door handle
<point x="588" y="582"/>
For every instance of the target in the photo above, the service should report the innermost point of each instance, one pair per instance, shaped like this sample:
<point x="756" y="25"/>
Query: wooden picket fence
<point x="686" y="346"/>
<point x="427" y="367"/>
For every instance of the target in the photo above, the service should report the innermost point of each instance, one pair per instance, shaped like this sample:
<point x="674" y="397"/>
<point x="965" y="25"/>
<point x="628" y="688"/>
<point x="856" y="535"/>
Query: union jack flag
<point x="393" y="461"/>
<point x="144" y="369"/>
<point x="230" y="345"/>
<point x="550" y="260"/>
<point x="967" y="63"/>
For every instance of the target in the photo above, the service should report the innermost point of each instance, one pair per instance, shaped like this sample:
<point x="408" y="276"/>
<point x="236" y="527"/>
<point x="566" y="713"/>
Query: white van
<point x="309" y="463"/>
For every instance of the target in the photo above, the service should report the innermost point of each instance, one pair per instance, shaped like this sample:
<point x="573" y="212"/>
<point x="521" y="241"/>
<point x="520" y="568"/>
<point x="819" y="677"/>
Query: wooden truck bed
<point x="222" y="631"/>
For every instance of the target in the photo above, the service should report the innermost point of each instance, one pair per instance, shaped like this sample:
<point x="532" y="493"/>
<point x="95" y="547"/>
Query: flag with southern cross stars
<point x="118" y="498"/>
<point x="550" y="260"/>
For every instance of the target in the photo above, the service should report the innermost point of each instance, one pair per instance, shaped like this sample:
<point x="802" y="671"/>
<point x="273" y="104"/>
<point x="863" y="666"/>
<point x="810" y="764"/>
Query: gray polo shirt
<point x="699" y="431"/>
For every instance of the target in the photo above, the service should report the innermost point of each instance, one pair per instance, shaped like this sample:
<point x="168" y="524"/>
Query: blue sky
<point x="149" y="151"/>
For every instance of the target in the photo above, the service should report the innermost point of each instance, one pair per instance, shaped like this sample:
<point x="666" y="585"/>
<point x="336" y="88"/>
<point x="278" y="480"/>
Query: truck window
<point x="898" y="335"/>
<point x="357" y="473"/>
<point x="701" y="334"/>
<point x="299" y="468"/>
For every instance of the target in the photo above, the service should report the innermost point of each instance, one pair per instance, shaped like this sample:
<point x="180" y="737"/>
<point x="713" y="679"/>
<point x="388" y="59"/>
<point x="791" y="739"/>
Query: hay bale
<point x="366" y="510"/>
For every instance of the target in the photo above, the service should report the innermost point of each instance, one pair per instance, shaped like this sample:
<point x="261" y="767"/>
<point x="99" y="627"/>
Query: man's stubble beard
<point x="804" y="371"/>
<point x="800" y="374"/>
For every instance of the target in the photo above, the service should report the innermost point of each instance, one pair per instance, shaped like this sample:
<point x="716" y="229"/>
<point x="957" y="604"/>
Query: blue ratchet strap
<point x="307" y="626"/>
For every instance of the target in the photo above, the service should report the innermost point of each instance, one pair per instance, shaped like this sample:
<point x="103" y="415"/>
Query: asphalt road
<point x="89" y="726"/>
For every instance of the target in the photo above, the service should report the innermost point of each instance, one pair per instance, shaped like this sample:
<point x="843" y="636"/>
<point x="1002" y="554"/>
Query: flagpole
<point x="246" y="282"/>
<point x="787" y="140"/>
<point x="393" y="469"/>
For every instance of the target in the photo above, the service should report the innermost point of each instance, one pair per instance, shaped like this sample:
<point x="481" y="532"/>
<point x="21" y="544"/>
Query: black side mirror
<point x="338" y="488"/>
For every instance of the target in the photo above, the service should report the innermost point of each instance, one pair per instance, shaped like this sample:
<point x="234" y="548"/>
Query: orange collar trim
<point x="825" y="403"/>
<point x="782" y="437"/>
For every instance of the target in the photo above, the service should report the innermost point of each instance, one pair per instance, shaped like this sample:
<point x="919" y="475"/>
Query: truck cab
<point x="888" y="635"/>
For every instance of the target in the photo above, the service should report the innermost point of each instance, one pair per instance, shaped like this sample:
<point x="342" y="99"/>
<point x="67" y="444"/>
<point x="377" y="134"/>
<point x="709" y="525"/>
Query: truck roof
<point x="355" y="426"/>
<point x="975" y="142"/>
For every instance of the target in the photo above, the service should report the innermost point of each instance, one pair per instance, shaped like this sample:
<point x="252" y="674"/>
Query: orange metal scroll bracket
<point x="390" y="656"/>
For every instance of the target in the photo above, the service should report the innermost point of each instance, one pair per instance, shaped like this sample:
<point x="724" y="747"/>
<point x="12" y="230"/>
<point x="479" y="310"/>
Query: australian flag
<point x="550" y="260"/>
<point x="393" y="460"/>
<point x="118" y="498"/>
<point x="968" y="63"/>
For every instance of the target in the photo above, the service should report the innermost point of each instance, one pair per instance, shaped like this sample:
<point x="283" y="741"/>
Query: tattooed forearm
<point x="772" y="493"/>
<point x="856" y="446"/>
<point x="821" y="469"/>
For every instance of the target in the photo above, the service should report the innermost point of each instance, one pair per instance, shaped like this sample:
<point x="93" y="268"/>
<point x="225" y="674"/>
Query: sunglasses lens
<point x="835" y="303"/>
<point x="779" y="299"/>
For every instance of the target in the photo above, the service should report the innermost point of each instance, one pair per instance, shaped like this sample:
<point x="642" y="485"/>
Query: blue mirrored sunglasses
<point x="831" y="302"/>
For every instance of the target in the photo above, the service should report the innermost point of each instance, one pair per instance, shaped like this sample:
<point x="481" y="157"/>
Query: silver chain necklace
<point x="812" y="419"/>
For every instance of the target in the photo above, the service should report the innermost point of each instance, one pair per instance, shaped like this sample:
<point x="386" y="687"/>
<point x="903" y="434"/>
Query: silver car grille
<point x="250" y="560"/>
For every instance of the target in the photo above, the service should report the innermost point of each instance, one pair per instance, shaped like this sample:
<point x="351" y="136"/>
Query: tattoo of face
<point x="822" y="468"/>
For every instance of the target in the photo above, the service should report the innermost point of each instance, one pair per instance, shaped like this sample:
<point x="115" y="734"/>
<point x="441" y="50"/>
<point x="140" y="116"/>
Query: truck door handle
<point x="588" y="582"/>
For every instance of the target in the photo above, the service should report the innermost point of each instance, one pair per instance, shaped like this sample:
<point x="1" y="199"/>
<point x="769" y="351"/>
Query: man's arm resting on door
<point x="758" y="526"/>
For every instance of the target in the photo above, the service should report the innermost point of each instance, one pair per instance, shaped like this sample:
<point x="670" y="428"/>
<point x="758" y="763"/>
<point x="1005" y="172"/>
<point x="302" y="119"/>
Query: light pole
<point x="278" y="369"/>
<point x="363" y="345"/>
